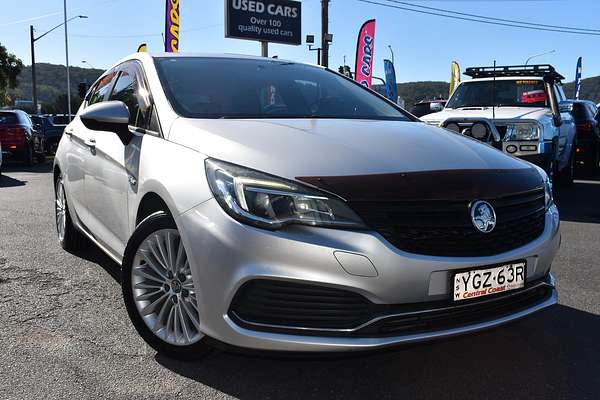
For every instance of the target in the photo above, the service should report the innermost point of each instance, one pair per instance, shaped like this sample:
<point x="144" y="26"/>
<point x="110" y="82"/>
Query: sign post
<point x="276" y="21"/>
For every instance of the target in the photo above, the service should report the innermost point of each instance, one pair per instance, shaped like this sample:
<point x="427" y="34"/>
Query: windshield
<point x="517" y="93"/>
<point x="239" y="88"/>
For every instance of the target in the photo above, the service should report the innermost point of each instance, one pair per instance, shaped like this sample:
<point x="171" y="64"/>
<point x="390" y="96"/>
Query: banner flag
<point x="577" y="79"/>
<point x="142" y="48"/>
<point x="390" y="80"/>
<point x="172" y="26"/>
<point x="364" y="54"/>
<point x="454" y="77"/>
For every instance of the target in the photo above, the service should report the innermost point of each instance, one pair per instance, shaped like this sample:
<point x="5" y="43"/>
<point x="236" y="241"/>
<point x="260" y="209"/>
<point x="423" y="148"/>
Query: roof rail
<point x="542" y="70"/>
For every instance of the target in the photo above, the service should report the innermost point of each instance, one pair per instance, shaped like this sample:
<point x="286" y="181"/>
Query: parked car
<point x="427" y="107"/>
<point x="587" y="120"/>
<point x="20" y="141"/>
<point x="521" y="110"/>
<point x="282" y="206"/>
<point x="52" y="127"/>
<point x="1" y="154"/>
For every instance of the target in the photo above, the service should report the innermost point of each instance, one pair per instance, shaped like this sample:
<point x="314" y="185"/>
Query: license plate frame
<point x="465" y="289"/>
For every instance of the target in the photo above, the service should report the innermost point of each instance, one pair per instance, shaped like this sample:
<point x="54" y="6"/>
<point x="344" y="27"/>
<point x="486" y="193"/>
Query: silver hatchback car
<point x="273" y="205"/>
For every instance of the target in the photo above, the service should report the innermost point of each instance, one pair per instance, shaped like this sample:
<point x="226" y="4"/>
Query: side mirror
<point x="436" y="107"/>
<point x="111" y="116"/>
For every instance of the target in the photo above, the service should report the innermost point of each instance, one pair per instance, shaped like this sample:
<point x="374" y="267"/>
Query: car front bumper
<point x="224" y="254"/>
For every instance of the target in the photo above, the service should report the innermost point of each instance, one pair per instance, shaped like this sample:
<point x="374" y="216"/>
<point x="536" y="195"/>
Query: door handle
<point x="68" y="132"/>
<point x="91" y="143"/>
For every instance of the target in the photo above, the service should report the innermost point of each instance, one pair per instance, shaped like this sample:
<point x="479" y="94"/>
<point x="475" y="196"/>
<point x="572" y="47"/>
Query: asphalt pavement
<point x="64" y="332"/>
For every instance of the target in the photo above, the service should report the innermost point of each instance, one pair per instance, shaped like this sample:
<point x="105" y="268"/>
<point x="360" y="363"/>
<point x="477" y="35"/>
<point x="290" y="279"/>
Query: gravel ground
<point x="64" y="332"/>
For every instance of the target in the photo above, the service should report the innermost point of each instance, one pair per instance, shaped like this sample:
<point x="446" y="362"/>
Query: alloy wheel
<point x="60" y="210"/>
<point x="163" y="289"/>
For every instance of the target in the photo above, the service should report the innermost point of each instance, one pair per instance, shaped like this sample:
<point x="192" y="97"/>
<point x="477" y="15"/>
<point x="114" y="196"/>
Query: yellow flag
<point x="454" y="76"/>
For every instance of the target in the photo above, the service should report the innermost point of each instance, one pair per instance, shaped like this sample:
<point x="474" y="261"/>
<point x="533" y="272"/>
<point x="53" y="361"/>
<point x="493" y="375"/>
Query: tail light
<point x="585" y="128"/>
<point x="16" y="131"/>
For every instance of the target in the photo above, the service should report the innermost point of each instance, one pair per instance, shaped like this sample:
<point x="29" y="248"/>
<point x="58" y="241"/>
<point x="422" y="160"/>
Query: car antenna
<point x="494" y="94"/>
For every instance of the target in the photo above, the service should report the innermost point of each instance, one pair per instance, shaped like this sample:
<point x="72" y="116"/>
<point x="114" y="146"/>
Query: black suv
<point x="587" y="120"/>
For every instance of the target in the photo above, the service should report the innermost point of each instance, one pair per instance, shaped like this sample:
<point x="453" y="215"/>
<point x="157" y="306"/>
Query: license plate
<point x="483" y="282"/>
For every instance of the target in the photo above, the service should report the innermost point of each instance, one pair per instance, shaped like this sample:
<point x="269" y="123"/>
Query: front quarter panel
<point x="174" y="172"/>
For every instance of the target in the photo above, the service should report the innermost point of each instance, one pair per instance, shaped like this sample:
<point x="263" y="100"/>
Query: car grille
<point x="444" y="228"/>
<point x="299" y="305"/>
<point x="308" y="309"/>
<point x="457" y="315"/>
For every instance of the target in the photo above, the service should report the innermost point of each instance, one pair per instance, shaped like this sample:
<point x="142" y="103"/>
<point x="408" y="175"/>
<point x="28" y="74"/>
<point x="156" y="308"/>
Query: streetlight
<point x="539" y="55"/>
<point x="391" y="51"/>
<point x="34" y="39"/>
<point x="88" y="63"/>
<point x="310" y="41"/>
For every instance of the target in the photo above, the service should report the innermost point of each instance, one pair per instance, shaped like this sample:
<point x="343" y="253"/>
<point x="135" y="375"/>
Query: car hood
<point x="486" y="112"/>
<point x="334" y="147"/>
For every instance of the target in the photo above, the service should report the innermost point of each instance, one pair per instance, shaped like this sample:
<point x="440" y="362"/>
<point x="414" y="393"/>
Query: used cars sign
<point x="276" y="21"/>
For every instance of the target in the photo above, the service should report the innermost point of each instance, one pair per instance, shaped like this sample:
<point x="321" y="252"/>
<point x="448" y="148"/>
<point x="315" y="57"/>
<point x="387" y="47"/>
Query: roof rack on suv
<point x="543" y="70"/>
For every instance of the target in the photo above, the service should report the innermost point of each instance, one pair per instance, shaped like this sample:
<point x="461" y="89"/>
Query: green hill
<point x="52" y="83"/>
<point x="590" y="89"/>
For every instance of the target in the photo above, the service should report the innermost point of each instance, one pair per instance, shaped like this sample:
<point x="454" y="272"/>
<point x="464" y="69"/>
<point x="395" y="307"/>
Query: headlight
<point x="548" y="197"/>
<point x="270" y="202"/>
<point x="523" y="131"/>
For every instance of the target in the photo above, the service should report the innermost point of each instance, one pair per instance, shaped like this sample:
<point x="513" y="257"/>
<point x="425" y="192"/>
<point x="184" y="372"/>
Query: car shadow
<point x="553" y="354"/>
<point x="7" y="181"/>
<point x="13" y="166"/>
<point x="579" y="202"/>
<point x="92" y="253"/>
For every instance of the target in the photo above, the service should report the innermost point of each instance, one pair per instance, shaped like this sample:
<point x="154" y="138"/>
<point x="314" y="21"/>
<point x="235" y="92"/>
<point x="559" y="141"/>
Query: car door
<point x="110" y="180"/>
<point x="77" y="157"/>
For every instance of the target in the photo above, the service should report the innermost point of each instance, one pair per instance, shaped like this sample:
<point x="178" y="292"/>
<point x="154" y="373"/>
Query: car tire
<point x="158" y="290"/>
<point x="565" y="177"/>
<point x="69" y="237"/>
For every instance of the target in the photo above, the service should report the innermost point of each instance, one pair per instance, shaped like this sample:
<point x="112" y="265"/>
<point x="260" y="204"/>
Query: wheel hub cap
<point x="163" y="289"/>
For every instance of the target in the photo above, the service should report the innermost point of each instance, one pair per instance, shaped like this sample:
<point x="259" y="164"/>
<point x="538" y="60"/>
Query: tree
<point x="10" y="68"/>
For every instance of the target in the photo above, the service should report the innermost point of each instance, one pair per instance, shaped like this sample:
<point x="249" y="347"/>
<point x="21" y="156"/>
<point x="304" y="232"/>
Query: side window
<point x="100" y="91"/>
<point x="130" y="91"/>
<point x="560" y="93"/>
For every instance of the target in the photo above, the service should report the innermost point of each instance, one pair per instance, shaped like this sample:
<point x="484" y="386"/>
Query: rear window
<point x="8" y="118"/>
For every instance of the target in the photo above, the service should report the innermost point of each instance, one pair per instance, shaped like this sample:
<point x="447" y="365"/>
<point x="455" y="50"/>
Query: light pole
<point x="34" y="39"/>
<point x="539" y="55"/>
<point x="88" y="63"/>
<point x="391" y="51"/>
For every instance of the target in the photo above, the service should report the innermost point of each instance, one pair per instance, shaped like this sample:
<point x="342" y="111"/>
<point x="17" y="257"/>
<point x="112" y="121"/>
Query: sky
<point x="424" y="45"/>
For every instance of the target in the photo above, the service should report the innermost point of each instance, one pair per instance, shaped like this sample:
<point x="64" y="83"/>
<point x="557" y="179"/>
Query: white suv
<point x="521" y="110"/>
